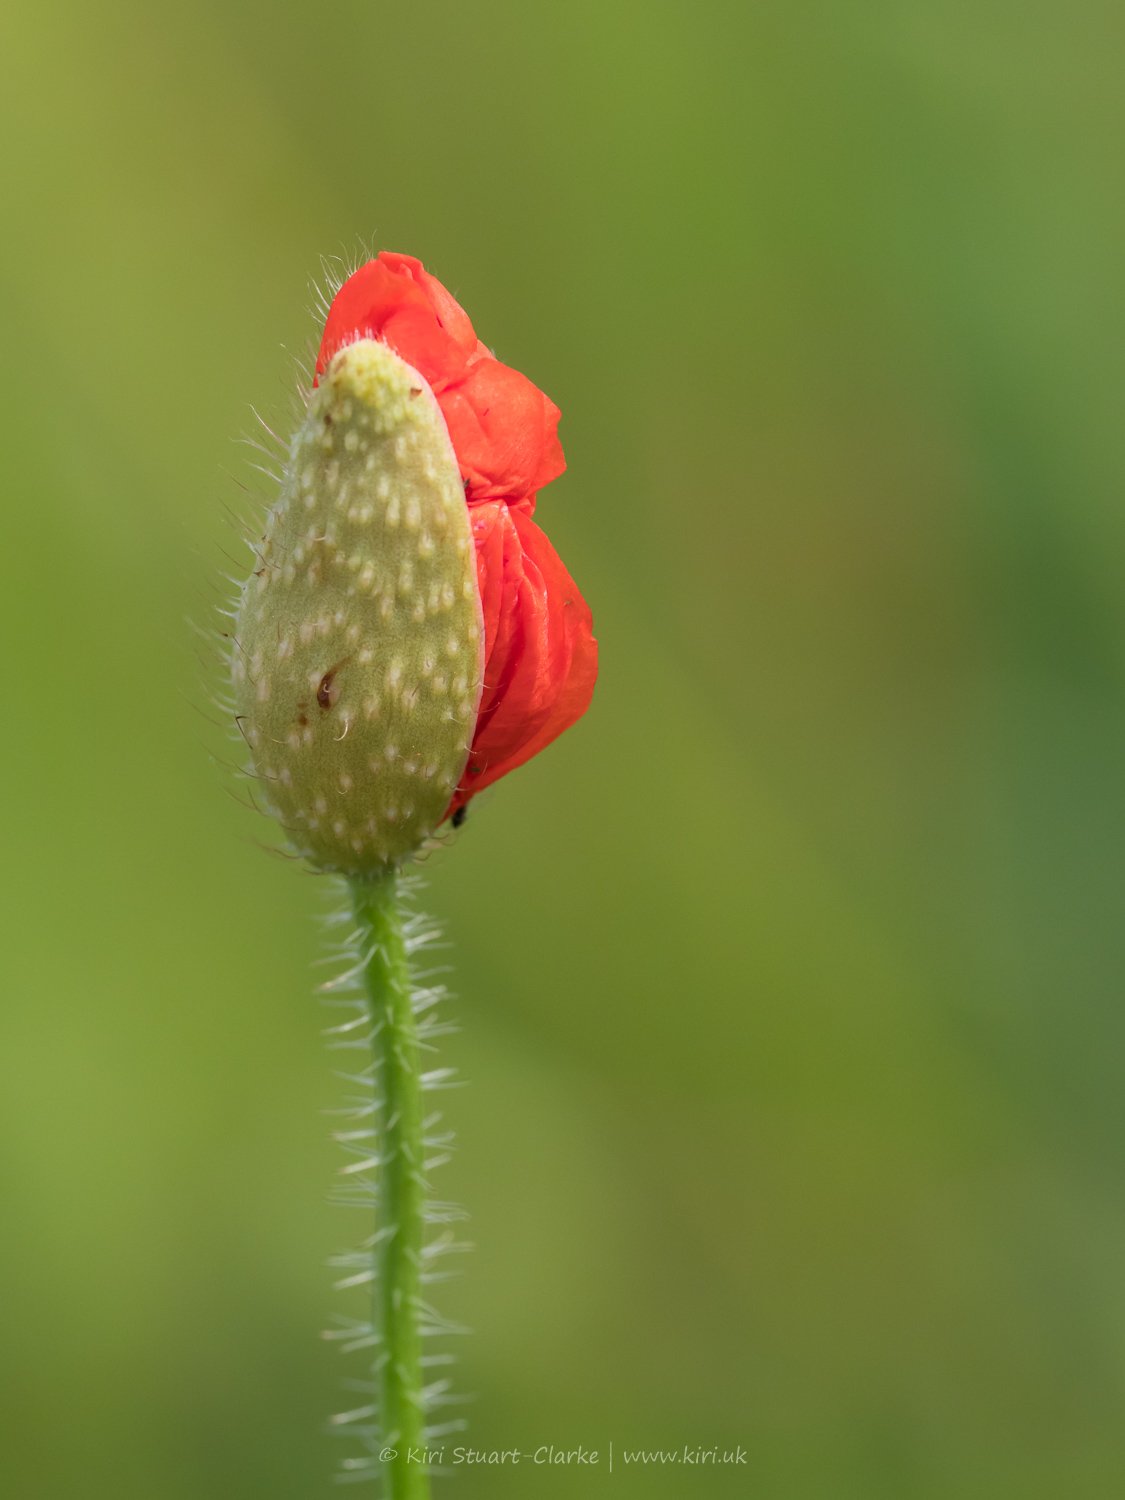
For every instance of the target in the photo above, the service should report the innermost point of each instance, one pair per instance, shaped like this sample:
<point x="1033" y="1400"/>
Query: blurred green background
<point x="791" y="981"/>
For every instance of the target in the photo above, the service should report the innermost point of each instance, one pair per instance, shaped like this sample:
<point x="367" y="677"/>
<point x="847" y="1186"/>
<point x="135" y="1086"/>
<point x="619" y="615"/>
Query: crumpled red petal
<point x="393" y="299"/>
<point x="503" y="427"/>
<point x="541" y="658"/>
<point x="505" y="432"/>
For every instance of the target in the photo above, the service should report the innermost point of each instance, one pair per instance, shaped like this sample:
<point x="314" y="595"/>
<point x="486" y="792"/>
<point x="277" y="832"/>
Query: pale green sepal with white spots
<point x="358" y="643"/>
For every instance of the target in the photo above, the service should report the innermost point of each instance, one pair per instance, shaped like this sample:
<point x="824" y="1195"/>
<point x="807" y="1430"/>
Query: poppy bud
<point x="359" y="639"/>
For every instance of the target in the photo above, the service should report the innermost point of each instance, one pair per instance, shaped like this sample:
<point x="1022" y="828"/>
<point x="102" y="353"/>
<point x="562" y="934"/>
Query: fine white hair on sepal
<point x="334" y="271"/>
<point x="254" y="489"/>
<point x="220" y="656"/>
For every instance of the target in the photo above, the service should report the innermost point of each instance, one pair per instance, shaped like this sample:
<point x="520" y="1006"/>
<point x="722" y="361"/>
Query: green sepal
<point x="358" y="644"/>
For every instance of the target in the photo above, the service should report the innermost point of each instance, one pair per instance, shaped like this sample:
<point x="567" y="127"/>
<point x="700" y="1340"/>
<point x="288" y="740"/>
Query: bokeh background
<point x="791" y="981"/>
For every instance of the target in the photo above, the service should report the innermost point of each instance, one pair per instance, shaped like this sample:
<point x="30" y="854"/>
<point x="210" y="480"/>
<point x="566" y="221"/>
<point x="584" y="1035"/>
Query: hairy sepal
<point x="358" y="644"/>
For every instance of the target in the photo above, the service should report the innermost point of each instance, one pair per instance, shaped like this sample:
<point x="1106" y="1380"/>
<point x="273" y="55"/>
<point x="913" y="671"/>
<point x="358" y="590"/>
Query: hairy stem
<point x="398" y="1243"/>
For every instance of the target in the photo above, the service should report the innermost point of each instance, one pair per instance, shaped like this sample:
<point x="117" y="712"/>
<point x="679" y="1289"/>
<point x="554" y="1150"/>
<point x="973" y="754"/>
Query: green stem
<point x="398" y="1247"/>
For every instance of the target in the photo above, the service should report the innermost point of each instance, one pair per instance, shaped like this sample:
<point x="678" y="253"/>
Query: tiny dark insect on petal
<point x="460" y="815"/>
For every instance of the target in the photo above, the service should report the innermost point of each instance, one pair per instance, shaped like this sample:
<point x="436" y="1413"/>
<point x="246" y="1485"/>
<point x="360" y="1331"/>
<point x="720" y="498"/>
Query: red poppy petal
<point x="541" y="658"/>
<point x="504" y="430"/>
<point x="540" y="652"/>
<point x="451" y="316"/>
<point x="490" y="536"/>
<point x="386" y="299"/>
